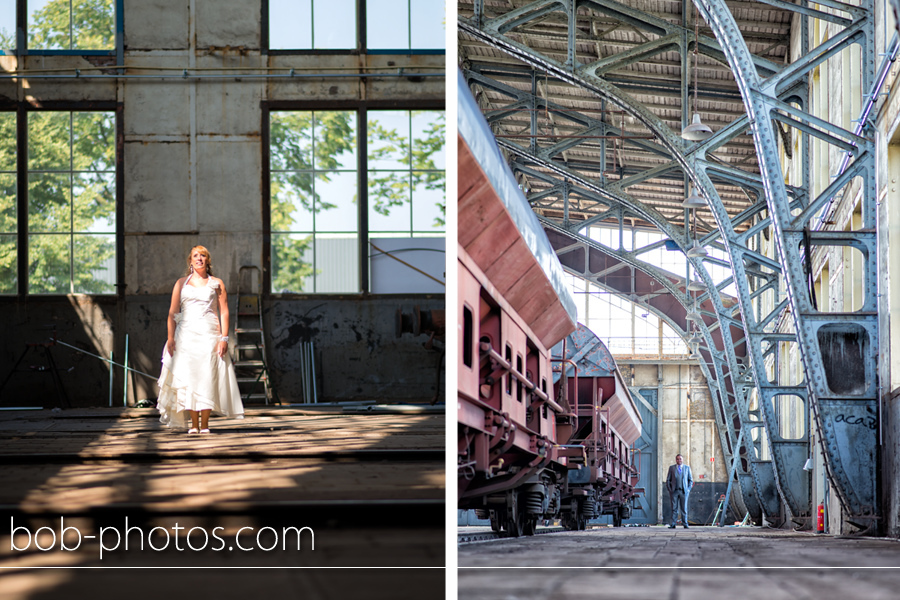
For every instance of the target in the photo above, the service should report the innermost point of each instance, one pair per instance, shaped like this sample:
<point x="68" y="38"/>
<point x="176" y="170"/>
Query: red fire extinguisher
<point x="820" y="520"/>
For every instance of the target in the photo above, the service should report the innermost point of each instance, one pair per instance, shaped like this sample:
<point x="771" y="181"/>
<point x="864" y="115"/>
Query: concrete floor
<point x="658" y="563"/>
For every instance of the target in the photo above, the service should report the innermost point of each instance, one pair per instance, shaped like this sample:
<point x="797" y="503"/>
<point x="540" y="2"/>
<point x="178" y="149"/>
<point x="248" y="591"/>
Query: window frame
<point x="22" y="110"/>
<point x="361" y="40"/>
<point x="408" y="172"/>
<point x="22" y="49"/>
<point x="362" y="109"/>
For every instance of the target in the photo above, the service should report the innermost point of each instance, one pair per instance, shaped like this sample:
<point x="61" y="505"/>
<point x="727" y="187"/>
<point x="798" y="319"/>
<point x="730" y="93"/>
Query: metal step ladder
<point x="250" y="340"/>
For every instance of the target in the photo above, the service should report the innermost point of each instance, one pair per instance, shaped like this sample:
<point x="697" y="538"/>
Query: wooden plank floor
<point x="370" y="484"/>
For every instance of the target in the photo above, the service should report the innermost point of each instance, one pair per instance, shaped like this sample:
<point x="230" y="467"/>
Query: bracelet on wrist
<point x="224" y="338"/>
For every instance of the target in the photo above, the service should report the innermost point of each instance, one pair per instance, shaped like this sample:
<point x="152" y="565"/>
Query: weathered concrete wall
<point x="686" y="425"/>
<point x="889" y="302"/>
<point x="192" y="170"/>
<point x="81" y="321"/>
<point x="357" y="352"/>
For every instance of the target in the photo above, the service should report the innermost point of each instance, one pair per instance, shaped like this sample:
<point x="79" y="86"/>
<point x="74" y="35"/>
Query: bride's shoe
<point x="192" y="431"/>
<point x="204" y="431"/>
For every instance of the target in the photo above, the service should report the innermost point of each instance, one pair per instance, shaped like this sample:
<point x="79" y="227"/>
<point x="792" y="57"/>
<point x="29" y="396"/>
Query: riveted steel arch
<point x="728" y="418"/>
<point x="784" y="452"/>
<point x="846" y="412"/>
<point x="616" y="196"/>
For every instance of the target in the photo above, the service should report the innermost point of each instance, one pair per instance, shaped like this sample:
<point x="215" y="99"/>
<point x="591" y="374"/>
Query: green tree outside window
<point x="71" y="166"/>
<point x="71" y="202"/>
<point x="407" y="177"/>
<point x="72" y="25"/>
<point x="8" y="221"/>
<point x="61" y="25"/>
<point x="309" y="150"/>
<point x="312" y="154"/>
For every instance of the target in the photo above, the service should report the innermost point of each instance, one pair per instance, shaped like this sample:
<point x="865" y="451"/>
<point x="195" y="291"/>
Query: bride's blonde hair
<point x="204" y="252"/>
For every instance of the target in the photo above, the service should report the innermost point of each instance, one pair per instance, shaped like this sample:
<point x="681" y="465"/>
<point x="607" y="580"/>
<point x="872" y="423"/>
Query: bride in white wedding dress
<point x="197" y="376"/>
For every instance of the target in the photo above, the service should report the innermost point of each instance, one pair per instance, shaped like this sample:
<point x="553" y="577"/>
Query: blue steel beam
<point x="728" y="419"/>
<point x="731" y="403"/>
<point x="843" y="399"/>
<point x="783" y="451"/>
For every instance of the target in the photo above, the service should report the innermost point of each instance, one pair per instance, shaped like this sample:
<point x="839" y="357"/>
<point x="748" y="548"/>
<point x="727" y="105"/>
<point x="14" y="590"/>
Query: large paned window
<point x="67" y="212"/>
<point x="8" y="221"/>
<point x="406" y="172"/>
<point x="71" y="202"/>
<point x="673" y="261"/>
<point x="60" y="26"/>
<point x="627" y="329"/>
<point x="407" y="26"/>
<point x="404" y="25"/>
<point x="406" y="199"/>
<point x="312" y="24"/>
<point x="314" y="216"/>
<point x="316" y="180"/>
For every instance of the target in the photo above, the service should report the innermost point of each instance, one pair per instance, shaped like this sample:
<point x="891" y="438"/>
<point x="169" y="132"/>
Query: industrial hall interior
<point x="706" y="201"/>
<point x="300" y="145"/>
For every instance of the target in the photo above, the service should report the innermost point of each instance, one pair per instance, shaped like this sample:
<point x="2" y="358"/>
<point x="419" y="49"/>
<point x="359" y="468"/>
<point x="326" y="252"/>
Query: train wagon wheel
<point x="495" y="522"/>
<point x="513" y="527"/>
<point x="530" y="526"/>
<point x="511" y="518"/>
<point x="574" y="520"/>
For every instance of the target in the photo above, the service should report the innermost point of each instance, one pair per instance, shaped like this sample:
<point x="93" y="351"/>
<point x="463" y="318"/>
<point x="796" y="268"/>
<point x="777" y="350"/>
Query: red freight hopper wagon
<point x="601" y="418"/>
<point x="518" y="434"/>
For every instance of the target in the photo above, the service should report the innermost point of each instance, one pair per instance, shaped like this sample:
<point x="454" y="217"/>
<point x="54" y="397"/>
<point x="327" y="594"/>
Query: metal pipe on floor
<point x="111" y="363"/>
<point x="312" y="375"/>
<point x="125" y="385"/>
<point x="307" y="395"/>
<point x="731" y="475"/>
<point x="303" y="375"/>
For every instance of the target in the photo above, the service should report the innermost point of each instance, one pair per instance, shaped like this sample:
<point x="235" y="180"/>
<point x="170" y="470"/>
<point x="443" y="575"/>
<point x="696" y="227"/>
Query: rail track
<point x="487" y="536"/>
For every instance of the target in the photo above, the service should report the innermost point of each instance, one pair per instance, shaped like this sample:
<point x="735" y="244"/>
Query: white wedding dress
<point x="195" y="378"/>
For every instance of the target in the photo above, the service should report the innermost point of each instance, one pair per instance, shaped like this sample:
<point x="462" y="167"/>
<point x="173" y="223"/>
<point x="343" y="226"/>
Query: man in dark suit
<point x="679" y="482"/>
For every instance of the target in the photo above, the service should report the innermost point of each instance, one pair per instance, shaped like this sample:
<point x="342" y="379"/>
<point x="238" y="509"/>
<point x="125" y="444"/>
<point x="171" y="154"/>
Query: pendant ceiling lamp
<point x="696" y="131"/>
<point x="694" y="345"/>
<point x="693" y="315"/>
<point x="696" y="251"/>
<point x="694" y="200"/>
<point x="696" y="286"/>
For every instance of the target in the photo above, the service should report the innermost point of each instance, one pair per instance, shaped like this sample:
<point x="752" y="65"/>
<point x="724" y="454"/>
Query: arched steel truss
<point x="578" y="256"/>
<point x="844" y="407"/>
